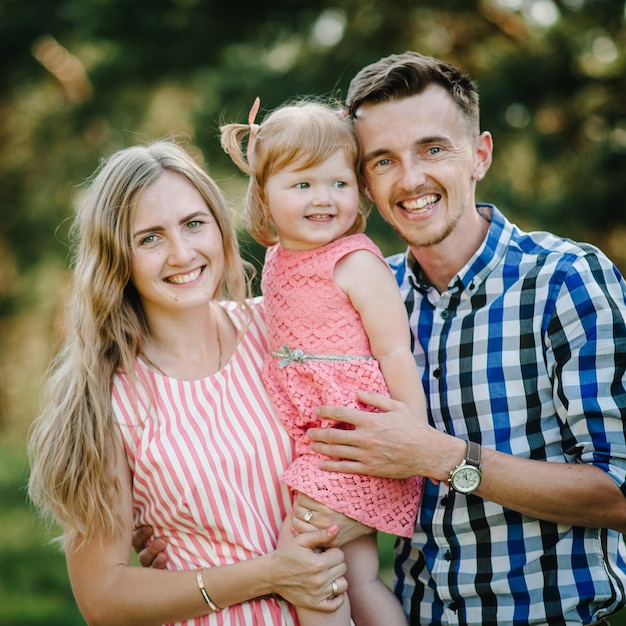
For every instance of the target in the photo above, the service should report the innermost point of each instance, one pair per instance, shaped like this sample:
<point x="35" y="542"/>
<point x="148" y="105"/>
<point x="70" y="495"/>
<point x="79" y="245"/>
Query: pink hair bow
<point x="254" y="128"/>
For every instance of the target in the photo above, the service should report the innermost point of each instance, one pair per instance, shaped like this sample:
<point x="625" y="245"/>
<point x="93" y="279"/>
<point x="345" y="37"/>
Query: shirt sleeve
<point x="587" y="342"/>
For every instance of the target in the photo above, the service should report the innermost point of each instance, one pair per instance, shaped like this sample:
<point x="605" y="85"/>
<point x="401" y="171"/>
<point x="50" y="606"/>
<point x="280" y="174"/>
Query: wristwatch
<point x="465" y="478"/>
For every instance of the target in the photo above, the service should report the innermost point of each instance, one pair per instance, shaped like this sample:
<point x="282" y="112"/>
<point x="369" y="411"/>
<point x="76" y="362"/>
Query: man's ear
<point x="366" y="191"/>
<point x="484" y="153"/>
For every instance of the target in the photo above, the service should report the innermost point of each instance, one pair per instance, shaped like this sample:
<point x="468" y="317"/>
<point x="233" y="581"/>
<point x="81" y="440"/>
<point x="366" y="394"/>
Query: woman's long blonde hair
<point x="72" y="439"/>
<point x="303" y="134"/>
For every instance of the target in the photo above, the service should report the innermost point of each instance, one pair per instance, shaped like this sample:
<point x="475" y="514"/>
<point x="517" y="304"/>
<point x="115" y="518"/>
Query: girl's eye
<point x="302" y="185"/>
<point x="341" y="184"/>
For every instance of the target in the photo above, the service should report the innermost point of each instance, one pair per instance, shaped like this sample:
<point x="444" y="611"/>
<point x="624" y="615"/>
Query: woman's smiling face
<point x="177" y="257"/>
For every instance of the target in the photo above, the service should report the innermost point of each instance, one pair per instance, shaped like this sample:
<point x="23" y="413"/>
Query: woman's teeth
<point x="181" y="279"/>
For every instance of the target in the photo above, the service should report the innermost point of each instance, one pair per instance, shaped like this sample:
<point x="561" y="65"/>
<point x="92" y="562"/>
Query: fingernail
<point x="332" y="529"/>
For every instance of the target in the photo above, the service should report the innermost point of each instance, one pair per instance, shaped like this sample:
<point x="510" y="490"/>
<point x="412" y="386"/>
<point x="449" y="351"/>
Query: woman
<point x="154" y="413"/>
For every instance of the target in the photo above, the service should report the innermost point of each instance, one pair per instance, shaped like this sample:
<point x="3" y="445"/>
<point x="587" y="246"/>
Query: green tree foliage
<point x="82" y="78"/>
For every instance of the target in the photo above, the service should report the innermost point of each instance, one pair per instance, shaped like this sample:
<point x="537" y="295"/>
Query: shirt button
<point x="444" y="315"/>
<point x="453" y="606"/>
<point x="436" y="372"/>
<point x="444" y="501"/>
<point x="448" y="555"/>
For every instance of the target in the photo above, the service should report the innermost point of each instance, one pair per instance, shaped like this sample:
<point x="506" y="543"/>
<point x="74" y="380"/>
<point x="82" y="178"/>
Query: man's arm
<point x="401" y="446"/>
<point x="153" y="554"/>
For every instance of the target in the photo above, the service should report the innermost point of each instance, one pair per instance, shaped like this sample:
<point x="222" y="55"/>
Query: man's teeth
<point x="420" y="203"/>
<point x="181" y="279"/>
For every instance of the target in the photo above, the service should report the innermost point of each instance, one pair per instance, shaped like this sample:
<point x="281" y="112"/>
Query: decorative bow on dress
<point x="296" y="355"/>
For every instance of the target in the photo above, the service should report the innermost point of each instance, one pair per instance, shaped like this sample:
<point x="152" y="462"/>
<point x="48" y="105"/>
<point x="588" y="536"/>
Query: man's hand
<point x="395" y="444"/>
<point x="151" y="555"/>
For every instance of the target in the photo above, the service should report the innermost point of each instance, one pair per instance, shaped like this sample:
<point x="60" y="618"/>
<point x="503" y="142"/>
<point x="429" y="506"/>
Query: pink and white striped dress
<point x="206" y="458"/>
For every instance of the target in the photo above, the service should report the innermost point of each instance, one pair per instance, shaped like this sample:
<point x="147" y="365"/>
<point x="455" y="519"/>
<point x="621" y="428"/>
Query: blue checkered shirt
<point x="525" y="353"/>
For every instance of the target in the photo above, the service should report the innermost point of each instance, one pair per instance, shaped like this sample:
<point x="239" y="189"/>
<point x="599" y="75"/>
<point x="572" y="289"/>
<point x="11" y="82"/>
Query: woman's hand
<point x="308" y="514"/>
<point x="308" y="571"/>
<point x="302" y="569"/>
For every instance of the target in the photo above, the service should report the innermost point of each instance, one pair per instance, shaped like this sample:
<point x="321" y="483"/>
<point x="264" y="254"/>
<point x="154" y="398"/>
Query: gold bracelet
<point x="205" y="595"/>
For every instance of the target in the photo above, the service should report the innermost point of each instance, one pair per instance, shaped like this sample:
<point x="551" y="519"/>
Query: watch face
<point x="466" y="479"/>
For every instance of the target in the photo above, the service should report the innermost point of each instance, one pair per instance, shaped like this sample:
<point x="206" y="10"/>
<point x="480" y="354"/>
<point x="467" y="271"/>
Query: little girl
<point x="336" y="323"/>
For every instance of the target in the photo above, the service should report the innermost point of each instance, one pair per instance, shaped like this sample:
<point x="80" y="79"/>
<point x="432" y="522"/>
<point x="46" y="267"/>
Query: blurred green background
<point x="82" y="78"/>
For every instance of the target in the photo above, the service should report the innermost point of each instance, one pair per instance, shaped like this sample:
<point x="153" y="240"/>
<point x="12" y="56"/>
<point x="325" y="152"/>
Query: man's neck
<point x="440" y="263"/>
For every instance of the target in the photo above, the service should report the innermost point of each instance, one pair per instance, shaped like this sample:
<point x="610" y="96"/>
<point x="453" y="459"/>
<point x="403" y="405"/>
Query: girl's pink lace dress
<point x="320" y="354"/>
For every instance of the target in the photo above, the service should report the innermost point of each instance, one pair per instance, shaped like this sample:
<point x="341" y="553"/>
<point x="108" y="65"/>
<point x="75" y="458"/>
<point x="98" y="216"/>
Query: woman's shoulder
<point x="248" y="317"/>
<point x="244" y="313"/>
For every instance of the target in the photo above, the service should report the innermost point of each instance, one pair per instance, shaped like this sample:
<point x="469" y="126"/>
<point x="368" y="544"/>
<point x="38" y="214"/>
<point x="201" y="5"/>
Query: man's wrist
<point x="466" y="477"/>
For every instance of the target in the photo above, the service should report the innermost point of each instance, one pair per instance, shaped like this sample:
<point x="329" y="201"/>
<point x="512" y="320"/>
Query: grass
<point x="34" y="586"/>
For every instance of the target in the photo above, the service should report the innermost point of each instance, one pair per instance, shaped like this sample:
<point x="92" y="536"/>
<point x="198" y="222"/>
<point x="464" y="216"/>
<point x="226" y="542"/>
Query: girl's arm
<point x="109" y="590"/>
<point x="379" y="303"/>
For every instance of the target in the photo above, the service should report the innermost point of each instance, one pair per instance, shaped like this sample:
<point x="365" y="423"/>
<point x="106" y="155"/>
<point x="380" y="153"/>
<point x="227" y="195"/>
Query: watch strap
<point x="473" y="453"/>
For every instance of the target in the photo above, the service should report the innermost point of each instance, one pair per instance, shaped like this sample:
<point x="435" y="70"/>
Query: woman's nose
<point x="180" y="251"/>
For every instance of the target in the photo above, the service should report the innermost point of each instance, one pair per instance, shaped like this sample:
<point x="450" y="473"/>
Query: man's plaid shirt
<point x="525" y="353"/>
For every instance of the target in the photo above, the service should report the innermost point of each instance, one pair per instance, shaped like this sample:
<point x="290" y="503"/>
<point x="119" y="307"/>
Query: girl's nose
<point x="321" y="196"/>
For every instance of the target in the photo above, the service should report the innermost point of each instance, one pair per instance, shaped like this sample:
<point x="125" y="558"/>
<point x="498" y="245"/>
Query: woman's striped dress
<point x="206" y="458"/>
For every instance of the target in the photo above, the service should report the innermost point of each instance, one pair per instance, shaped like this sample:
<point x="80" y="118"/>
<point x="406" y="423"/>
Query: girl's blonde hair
<point x="304" y="134"/>
<point x="72" y="439"/>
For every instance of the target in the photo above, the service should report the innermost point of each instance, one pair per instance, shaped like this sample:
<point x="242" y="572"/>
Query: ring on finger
<point x="334" y="587"/>
<point x="308" y="516"/>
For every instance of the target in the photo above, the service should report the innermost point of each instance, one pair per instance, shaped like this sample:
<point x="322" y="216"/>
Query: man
<point x="521" y="338"/>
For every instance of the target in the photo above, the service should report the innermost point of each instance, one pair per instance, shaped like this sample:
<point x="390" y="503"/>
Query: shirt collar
<point x="482" y="262"/>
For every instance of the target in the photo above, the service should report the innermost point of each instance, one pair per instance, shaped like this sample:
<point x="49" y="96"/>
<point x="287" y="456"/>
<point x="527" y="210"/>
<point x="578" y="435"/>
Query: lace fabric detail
<point x="308" y="312"/>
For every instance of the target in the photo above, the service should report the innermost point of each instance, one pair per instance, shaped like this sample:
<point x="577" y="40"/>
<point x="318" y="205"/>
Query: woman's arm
<point x="323" y="517"/>
<point x="109" y="590"/>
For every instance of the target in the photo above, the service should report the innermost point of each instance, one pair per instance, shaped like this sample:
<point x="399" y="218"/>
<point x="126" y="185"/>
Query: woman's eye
<point x="193" y="224"/>
<point x="148" y="240"/>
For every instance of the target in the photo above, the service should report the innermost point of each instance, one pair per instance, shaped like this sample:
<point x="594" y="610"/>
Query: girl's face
<point x="177" y="257"/>
<point x="314" y="206"/>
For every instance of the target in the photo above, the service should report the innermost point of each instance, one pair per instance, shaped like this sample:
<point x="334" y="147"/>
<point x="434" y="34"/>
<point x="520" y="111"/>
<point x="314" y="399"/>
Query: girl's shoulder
<point x="359" y="241"/>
